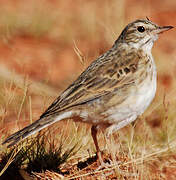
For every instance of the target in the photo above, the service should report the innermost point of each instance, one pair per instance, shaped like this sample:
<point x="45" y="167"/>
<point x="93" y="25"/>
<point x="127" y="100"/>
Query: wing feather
<point x="106" y="74"/>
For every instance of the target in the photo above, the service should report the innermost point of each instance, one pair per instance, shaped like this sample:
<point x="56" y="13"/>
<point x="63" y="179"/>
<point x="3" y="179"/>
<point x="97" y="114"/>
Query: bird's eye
<point x="141" y="29"/>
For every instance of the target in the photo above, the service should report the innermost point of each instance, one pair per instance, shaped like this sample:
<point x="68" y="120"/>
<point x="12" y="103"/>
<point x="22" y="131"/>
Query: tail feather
<point x="27" y="131"/>
<point x="34" y="127"/>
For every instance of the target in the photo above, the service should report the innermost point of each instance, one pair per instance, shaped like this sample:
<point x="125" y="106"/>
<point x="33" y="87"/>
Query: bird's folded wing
<point x="99" y="79"/>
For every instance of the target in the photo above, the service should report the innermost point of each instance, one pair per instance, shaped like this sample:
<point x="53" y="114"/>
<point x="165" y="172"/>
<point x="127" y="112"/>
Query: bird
<point x="113" y="91"/>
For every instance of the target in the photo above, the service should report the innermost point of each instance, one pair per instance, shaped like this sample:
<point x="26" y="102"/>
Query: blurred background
<point x="40" y="41"/>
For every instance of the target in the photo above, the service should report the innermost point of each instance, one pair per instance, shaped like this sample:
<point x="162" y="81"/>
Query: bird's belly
<point x="143" y="97"/>
<point x="135" y="104"/>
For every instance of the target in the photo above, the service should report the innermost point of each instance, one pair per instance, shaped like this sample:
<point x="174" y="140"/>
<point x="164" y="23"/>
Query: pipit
<point x="114" y="89"/>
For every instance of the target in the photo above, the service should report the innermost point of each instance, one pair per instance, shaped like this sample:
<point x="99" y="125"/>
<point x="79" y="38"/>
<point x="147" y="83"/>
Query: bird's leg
<point x="94" y="136"/>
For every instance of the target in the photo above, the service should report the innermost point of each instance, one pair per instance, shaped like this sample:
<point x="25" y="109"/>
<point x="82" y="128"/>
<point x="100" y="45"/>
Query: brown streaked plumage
<point x="113" y="91"/>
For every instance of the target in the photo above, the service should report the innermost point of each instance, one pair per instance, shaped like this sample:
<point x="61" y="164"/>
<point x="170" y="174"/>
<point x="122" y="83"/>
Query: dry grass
<point x="43" y="48"/>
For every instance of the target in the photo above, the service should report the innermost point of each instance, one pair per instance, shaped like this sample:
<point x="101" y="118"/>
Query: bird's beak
<point x="162" y="29"/>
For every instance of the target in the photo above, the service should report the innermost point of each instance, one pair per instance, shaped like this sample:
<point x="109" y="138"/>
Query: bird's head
<point x="141" y="33"/>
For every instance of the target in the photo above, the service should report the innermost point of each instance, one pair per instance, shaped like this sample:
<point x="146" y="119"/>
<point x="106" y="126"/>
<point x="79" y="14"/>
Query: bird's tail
<point x="32" y="129"/>
<point x="27" y="131"/>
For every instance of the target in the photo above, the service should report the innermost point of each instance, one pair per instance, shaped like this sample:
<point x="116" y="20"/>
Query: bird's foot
<point x="104" y="160"/>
